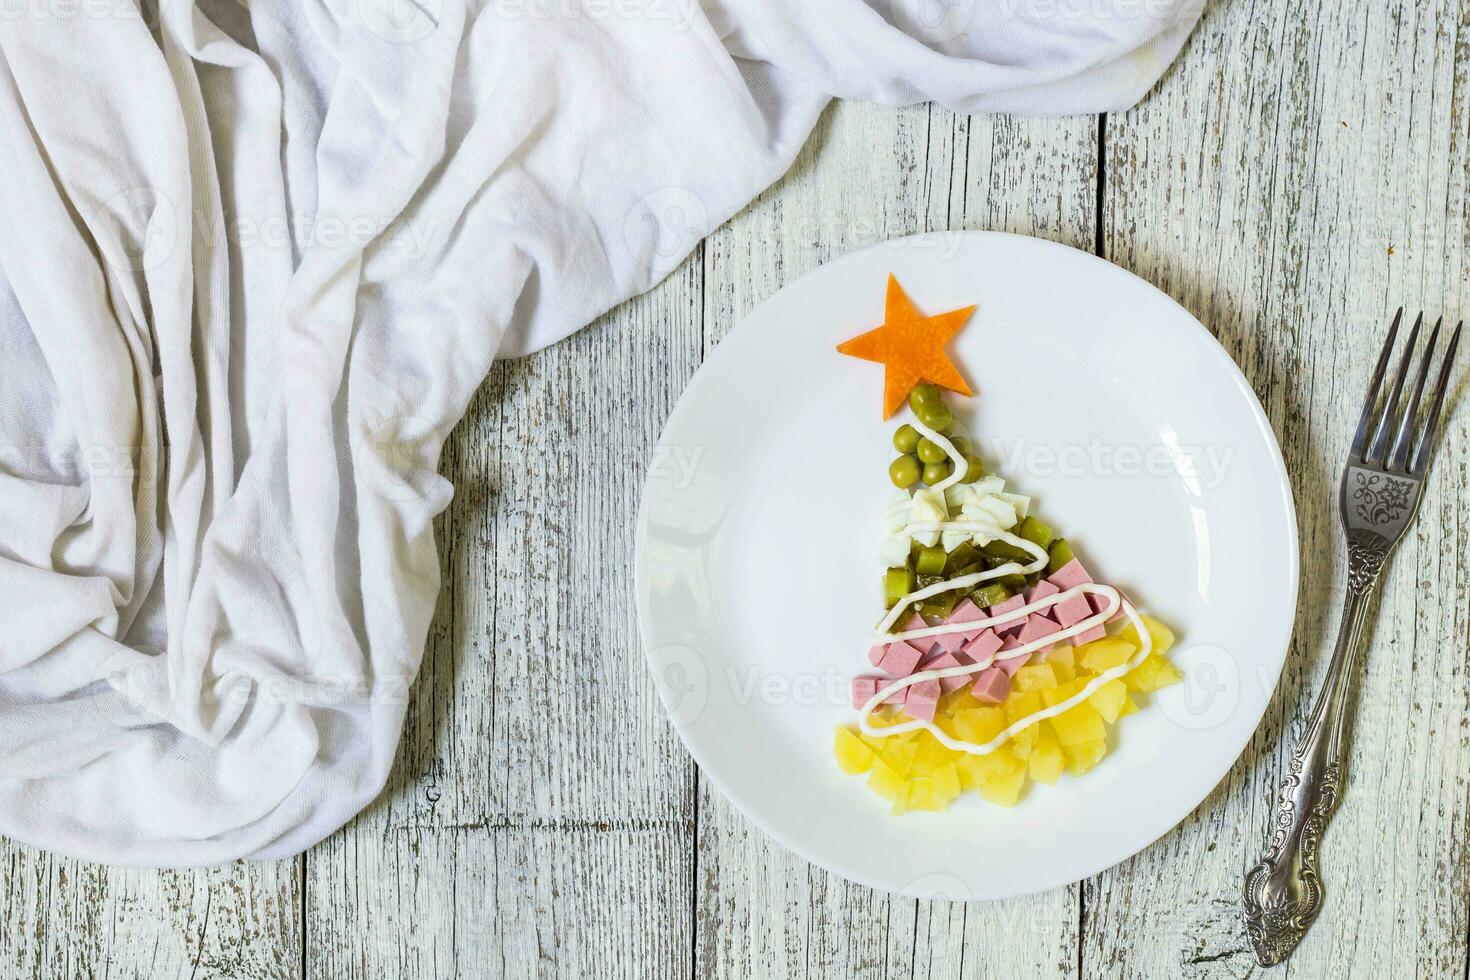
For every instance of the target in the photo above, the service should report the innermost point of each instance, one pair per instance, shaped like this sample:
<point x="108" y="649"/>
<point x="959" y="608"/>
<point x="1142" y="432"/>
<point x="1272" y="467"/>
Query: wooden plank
<point x="1300" y="173"/>
<point x="868" y="175"/>
<point x="65" y="918"/>
<point x="538" y="819"/>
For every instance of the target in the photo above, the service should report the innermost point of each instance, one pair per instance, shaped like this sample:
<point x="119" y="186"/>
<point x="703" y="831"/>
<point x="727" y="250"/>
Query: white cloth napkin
<point x="255" y="259"/>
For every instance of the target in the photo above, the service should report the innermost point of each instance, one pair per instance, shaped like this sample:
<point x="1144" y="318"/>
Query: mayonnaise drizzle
<point x="1115" y="601"/>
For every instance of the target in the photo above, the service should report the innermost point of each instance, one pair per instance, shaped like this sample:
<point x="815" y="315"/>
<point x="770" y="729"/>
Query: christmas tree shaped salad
<point x="995" y="661"/>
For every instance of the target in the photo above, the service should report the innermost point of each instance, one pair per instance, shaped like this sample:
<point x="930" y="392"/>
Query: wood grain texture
<point x="1297" y="176"/>
<point x="538" y="821"/>
<point x="761" y="911"/>
<point x="61" y="918"/>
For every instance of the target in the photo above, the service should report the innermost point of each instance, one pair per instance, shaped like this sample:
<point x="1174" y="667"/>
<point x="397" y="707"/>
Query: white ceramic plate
<point x="758" y="575"/>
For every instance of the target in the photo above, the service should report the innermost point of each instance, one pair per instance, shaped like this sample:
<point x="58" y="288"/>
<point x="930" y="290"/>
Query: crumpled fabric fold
<point x="255" y="261"/>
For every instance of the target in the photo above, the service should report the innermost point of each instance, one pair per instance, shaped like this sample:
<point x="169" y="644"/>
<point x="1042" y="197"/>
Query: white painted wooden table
<point x="1299" y="173"/>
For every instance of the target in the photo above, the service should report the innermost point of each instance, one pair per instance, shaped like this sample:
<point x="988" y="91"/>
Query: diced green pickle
<point x="1006" y="551"/>
<point x="941" y="605"/>
<point x="1058" y="555"/>
<point x="905" y="471"/>
<point x="897" y="583"/>
<point x="930" y="561"/>
<point x="965" y="554"/>
<point x="989" y="594"/>
<point x="1036" y="532"/>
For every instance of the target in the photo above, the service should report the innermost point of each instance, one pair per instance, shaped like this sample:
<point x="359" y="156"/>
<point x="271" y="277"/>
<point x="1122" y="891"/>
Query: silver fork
<point x="1381" y="487"/>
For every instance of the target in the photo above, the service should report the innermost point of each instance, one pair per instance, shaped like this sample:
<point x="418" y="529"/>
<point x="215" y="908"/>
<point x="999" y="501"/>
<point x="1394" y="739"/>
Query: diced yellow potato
<point x="1024" y="741"/>
<point x="1084" y="755"/>
<point x="970" y="771"/>
<point x="882" y="719"/>
<point x="1155" y="672"/>
<point x="1078" y="725"/>
<point x="1062" y="692"/>
<point x="980" y="725"/>
<point x="853" y="754"/>
<point x="1108" y="700"/>
<point x="887" y="783"/>
<point x="899" y="754"/>
<point x="1046" y="760"/>
<point x="931" y="754"/>
<point x="1021" y="704"/>
<point x="1105" y="654"/>
<point x="1062" y="662"/>
<point x="1004" y="789"/>
<point x="922" y="795"/>
<point x="956" y="701"/>
<point x="947" y="782"/>
<point x="1034" y="677"/>
<point x="974" y="770"/>
<point x="1129" y="707"/>
<point x="1161" y="635"/>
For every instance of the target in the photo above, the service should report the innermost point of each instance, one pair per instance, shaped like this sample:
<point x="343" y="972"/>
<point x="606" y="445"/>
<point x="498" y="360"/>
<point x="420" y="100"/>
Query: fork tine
<point x="1425" y="452"/>
<point x="1360" y="439"/>
<point x="1399" y="458"/>
<point x="1379" y="448"/>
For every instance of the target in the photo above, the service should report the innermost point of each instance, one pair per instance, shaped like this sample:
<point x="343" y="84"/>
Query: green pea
<point x="974" y="469"/>
<point x="937" y="417"/>
<point x="936" y="472"/>
<point x="962" y="444"/>
<point x="930" y="452"/>
<point x="906" y="439"/>
<point x="924" y="396"/>
<point x="904" y="471"/>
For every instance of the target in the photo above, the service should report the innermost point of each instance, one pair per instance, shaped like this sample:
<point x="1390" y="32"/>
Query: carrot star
<point x="910" y="346"/>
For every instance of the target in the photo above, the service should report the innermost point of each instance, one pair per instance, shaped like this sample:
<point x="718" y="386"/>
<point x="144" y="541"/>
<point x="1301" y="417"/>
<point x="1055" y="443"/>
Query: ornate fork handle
<point x="1283" y="894"/>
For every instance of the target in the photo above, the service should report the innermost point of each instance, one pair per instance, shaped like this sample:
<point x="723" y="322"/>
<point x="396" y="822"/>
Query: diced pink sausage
<point x="875" y="654"/>
<point x="900" y="659"/>
<point x="1069" y="576"/>
<point x="992" y="685"/>
<point x="1008" y="606"/>
<point x="863" y="688"/>
<point x="925" y="644"/>
<point x="1072" y="610"/>
<point x="1087" y="636"/>
<point x="1010" y="664"/>
<point x="1036" y="628"/>
<point x="1041" y="590"/>
<point x="1099" y="603"/>
<point x="965" y="612"/>
<point x="944" y="660"/>
<point x="923" y="700"/>
<point x="983" y="646"/>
